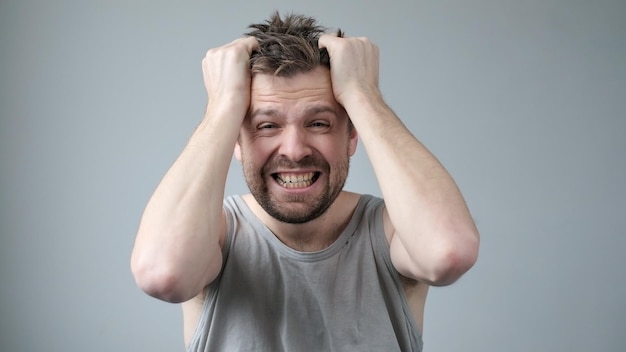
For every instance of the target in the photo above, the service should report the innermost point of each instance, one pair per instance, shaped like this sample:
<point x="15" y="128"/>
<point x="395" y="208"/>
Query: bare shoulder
<point x="192" y="311"/>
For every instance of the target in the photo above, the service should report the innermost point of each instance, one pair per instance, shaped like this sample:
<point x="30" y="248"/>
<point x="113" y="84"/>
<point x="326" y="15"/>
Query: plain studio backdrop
<point x="523" y="101"/>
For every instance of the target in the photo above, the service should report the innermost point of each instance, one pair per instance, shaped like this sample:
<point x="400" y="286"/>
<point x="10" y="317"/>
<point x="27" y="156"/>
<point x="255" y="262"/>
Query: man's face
<point x="295" y="145"/>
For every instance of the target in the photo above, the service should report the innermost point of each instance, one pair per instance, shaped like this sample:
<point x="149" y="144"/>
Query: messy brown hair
<point x="288" y="46"/>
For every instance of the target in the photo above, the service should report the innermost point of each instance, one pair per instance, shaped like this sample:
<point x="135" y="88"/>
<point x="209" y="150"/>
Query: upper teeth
<point x="294" y="178"/>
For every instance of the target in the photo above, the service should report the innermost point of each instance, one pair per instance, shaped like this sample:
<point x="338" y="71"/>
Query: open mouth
<point x="296" y="180"/>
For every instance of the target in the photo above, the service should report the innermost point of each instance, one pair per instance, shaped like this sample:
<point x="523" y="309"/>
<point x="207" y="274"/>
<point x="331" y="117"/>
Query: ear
<point x="353" y="140"/>
<point x="237" y="150"/>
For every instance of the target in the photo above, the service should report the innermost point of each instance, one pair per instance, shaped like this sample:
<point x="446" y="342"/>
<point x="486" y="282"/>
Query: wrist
<point x="228" y="109"/>
<point x="221" y="122"/>
<point x="372" y="100"/>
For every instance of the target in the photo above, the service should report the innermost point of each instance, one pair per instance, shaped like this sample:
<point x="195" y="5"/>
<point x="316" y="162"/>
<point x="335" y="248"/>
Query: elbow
<point x="452" y="260"/>
<point x="159" y="283"/>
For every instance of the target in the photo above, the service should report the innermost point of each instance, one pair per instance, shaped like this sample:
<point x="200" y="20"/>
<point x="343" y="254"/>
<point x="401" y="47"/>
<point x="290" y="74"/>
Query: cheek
<point x="345" y="146"/>
<point x="336" y="155"/>
<point x="253" y="156"/>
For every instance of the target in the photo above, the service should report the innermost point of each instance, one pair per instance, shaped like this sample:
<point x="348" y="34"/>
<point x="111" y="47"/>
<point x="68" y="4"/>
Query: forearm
<point x="425" y="206"/>
<point x="177" y="249"/>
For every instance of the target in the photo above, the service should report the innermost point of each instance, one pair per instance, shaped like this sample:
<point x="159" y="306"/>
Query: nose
<point x="294" y="144"/>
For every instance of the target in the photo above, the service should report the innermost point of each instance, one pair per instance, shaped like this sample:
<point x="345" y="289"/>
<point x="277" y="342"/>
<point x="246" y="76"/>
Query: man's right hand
<point x="178" y="247"/>
<point x="226" y="72"/>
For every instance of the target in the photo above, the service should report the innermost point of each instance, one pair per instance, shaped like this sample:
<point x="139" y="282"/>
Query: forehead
<point x="295" y="92"/>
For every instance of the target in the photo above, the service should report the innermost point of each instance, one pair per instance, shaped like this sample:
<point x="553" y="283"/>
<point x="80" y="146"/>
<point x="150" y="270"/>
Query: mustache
<point x="282" y="162"/>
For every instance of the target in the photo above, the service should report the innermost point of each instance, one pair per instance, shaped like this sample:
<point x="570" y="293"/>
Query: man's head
<point x="288" y="46"/>
<point x="296" y="142"/>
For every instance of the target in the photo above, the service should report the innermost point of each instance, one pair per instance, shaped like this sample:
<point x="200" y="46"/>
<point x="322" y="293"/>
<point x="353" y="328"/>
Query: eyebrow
<point x="309" y="111"/>
<point x="318" y="109"/>
<point x="269" y="112"/>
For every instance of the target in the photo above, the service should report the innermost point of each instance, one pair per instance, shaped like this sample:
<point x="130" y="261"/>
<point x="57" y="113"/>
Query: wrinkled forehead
<point x="302" y="88"/>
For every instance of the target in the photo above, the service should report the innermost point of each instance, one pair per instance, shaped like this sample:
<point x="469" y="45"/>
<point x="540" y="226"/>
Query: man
<point x="300" y="264"/>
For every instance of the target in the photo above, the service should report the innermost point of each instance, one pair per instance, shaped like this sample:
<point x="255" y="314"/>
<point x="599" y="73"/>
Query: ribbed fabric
<point x="269" y="297"/>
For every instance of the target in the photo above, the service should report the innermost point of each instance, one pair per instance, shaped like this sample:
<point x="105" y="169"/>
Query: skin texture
<point x="295" y="129"/>
<point x="284" y="128"/>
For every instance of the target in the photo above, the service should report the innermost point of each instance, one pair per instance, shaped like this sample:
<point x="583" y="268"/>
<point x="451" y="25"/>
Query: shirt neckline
<point x="327" y="252"/>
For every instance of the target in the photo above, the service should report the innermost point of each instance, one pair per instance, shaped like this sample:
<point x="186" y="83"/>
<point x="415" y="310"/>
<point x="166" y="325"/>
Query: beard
<point x="302" y="208"/>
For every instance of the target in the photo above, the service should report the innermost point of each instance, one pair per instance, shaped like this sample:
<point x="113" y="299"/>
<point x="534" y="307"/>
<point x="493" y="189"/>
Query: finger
<point x="249" y="42"/>
<point x="327" y="40"/>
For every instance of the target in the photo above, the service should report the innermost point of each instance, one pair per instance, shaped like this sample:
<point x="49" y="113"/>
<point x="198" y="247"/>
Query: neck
<point x="316" y="234"/>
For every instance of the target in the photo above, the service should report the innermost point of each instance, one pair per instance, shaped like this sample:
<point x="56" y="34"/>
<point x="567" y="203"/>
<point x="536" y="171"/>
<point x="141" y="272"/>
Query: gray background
<point x="523" y="101"/>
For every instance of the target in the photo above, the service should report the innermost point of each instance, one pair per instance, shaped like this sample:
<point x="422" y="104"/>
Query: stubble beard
<point x="300" y="208"/>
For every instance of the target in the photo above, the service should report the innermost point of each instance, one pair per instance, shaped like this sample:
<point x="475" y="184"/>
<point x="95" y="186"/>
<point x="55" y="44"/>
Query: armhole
<point x="382" y="249"/>
<point x="210" y="289"/>
<point x="229" y="230"/>
<point x="382" y="245"/>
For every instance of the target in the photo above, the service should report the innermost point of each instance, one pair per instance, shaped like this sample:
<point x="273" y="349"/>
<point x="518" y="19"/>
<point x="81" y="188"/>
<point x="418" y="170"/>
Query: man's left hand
<point x="353" y="68"/>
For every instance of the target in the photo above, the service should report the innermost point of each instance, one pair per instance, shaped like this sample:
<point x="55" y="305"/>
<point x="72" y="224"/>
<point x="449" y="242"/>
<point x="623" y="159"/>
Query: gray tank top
<point x="269" y="297"/>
